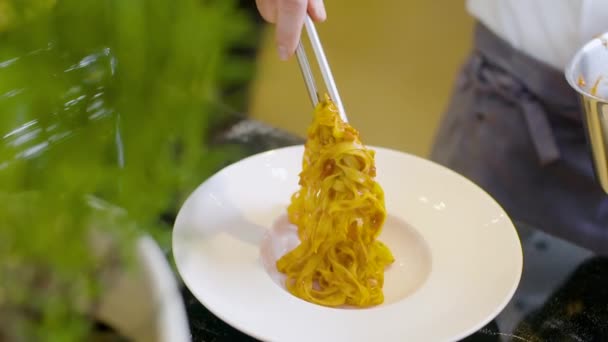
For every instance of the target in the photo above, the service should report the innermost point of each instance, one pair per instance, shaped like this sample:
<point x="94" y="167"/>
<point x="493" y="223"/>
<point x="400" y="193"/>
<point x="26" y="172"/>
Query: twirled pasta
<point x="339" y="212"/>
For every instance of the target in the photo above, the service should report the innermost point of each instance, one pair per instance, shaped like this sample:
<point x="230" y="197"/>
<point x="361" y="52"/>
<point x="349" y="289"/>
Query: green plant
<point x="105" y="114"/>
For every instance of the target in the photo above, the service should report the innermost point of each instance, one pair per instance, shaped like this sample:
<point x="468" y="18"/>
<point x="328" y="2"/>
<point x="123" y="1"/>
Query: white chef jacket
<point x="548" y="30"/>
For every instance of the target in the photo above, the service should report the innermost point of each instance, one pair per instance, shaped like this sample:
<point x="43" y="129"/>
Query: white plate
<point x="458" y="256"/>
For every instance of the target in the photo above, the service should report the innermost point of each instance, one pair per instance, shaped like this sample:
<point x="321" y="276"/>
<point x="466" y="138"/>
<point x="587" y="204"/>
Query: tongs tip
<point x="323" y="66"/>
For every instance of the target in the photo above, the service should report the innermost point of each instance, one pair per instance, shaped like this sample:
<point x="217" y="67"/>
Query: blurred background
<point x="393" y="64"/>
<point x="112" y="112"/>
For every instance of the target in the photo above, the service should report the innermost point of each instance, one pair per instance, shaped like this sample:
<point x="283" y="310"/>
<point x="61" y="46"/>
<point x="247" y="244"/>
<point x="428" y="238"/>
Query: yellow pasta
<point x="339" y="212"/>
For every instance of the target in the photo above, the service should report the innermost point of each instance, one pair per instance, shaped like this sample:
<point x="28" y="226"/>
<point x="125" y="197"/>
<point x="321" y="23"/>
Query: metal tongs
<point x="315" y="42"/>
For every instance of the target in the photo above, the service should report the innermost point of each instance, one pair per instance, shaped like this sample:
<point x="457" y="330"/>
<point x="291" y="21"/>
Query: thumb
<point x="290" y="20"/>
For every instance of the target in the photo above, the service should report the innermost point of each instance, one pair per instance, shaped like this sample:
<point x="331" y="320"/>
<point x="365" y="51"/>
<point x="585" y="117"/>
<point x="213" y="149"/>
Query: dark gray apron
<point x="513" y="126"/>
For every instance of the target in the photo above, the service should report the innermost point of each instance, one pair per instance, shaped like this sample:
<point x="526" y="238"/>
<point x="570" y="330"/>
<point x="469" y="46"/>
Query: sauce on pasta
<point x="339" y="212"/>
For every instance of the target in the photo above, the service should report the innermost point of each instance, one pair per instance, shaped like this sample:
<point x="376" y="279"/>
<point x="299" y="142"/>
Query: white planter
<point x="144" y="303"/>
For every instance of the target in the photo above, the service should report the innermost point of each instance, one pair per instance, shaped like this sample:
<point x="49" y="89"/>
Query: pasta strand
<point x="339" y="212"/>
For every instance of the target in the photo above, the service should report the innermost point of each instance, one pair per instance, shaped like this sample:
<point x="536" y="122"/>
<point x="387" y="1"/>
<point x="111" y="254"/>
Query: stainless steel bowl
<point x="587" y="73"/>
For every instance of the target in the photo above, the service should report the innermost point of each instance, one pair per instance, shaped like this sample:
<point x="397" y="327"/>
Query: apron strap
<point x="548" y="84"/>
<point x="488" y="79"/>
<point x="540" y="131"/>
<point x="536" y="88"/>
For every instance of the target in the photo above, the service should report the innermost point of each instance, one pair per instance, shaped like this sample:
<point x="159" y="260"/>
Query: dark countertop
<point x="562" y="296"/>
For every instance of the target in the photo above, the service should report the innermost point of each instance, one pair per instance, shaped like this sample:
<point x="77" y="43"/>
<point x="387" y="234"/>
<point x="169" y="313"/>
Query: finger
<point x="290" y="20"/>
<point x="267" y="9"/>
<point x="316" y="9"/>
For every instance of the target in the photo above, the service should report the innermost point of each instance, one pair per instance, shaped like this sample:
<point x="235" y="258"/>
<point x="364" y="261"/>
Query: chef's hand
<point x="288" y="15"/>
